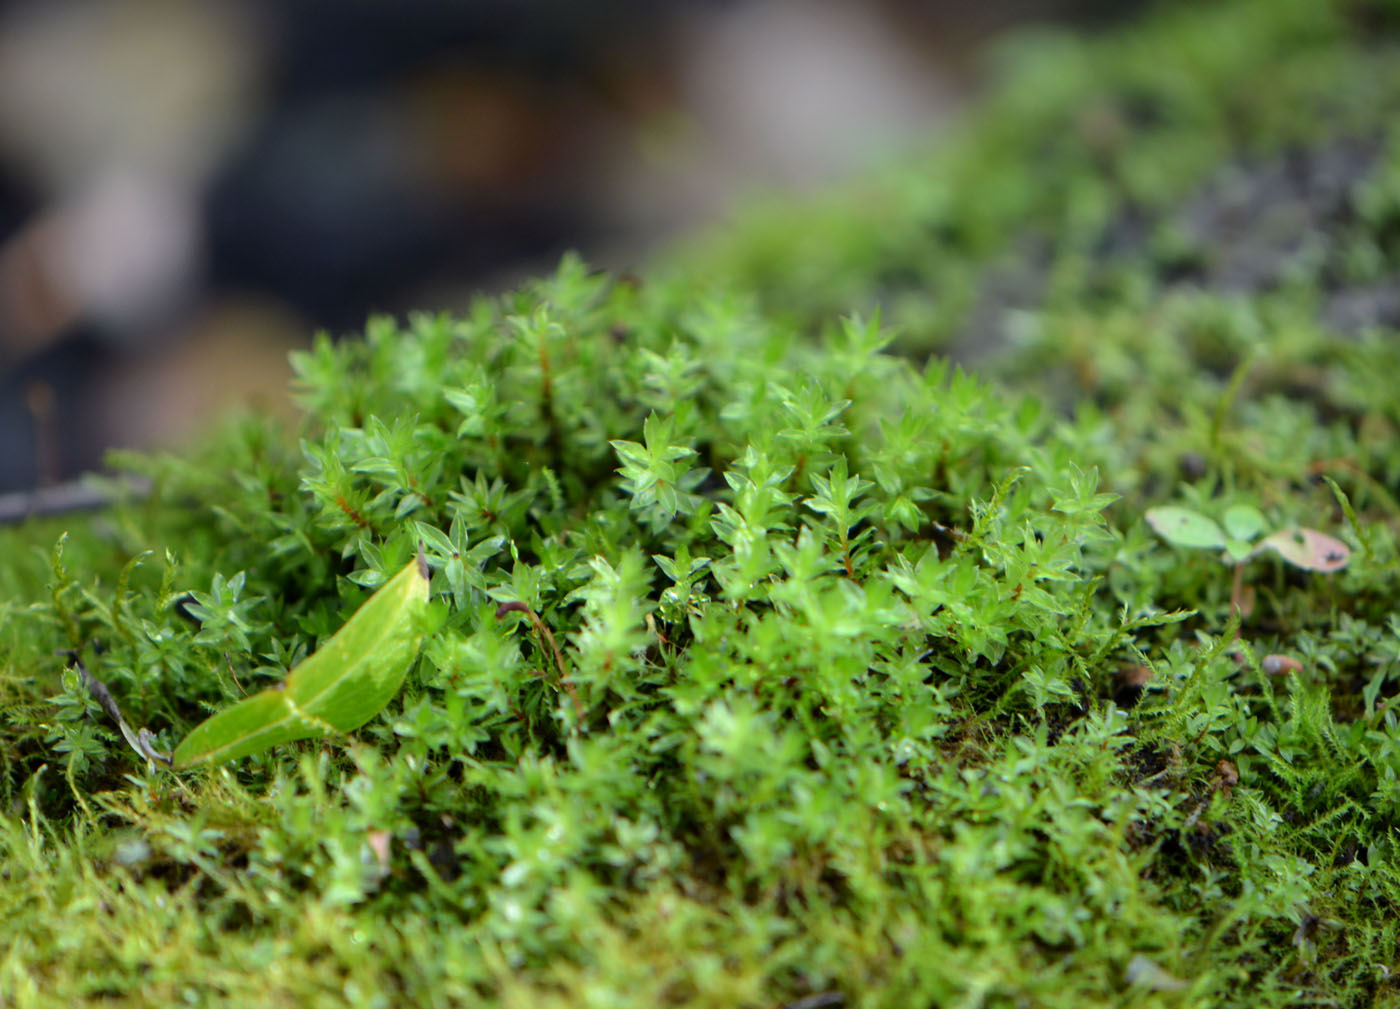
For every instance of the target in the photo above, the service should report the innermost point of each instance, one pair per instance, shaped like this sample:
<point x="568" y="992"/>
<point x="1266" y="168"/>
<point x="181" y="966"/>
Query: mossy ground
<point x="882" y="691"/>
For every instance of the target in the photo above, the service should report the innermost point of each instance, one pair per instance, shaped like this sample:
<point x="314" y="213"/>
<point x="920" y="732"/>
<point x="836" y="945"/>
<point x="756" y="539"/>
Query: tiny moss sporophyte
<point x="341" y="686"/>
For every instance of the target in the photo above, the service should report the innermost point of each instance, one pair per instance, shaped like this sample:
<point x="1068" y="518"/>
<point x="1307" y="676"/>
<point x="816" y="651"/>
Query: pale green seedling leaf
<point x="1243" y="522"/>
<point x="1185" y="528"/>
<point x="1308" y="549"/>
<point x="1238" y="551"/>
<point x="341" y="686"/>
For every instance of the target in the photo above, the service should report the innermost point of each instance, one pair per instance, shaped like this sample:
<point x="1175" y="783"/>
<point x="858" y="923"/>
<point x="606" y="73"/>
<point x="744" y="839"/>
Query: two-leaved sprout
<point x="1236" y="537"/>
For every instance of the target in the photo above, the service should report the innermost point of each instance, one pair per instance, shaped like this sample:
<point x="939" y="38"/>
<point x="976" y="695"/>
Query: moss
<point x="884" y="692"/>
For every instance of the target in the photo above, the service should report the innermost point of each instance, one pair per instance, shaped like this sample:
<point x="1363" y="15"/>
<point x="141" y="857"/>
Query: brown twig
<point x="139" y="741"/>
<point x="229" y="659"/>
<point x="547" y="636"/>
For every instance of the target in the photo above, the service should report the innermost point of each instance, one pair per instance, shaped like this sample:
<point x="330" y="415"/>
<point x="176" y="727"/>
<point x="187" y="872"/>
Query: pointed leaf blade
<point x="253" y="724"/>
<point x="341" y="686"/>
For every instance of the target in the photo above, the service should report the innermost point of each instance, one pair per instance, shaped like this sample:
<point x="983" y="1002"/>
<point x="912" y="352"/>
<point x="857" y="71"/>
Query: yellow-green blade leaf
<point x="345" y="683"/>
<point x="359" y="670"/>
<point x="253" y="724"/>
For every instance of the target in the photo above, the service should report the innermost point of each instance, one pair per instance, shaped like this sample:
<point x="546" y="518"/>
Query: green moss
<point x="873" y="682"/>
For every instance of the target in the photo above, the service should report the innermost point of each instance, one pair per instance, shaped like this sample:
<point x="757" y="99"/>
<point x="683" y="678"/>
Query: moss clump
<point x="873" y="685"/>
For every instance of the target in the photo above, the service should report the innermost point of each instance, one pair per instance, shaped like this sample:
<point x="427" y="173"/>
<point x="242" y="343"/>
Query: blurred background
<point x="190" y="188"/>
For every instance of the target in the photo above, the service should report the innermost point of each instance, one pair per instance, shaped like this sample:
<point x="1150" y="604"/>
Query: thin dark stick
<point x="229" y="659"/>
<point x="542" y="629"/>
<point x="139" y="741"/>
<point x="66" y="498"/>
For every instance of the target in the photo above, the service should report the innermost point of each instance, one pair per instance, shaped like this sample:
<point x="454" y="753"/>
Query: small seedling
<point x="1303" y="548"/>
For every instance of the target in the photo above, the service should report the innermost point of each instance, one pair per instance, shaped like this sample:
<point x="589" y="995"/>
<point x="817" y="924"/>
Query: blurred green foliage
<point x="885" y="692"/>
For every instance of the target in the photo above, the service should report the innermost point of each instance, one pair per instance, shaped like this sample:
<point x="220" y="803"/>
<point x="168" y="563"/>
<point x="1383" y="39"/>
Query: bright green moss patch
<point x="767" y="664"/>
